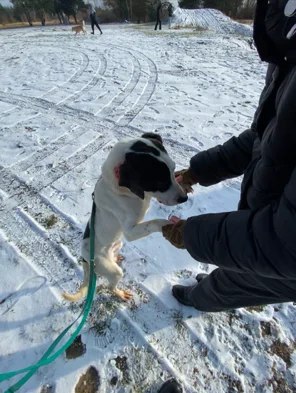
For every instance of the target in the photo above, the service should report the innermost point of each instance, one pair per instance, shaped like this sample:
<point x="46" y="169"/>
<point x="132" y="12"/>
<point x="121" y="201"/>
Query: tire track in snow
<point x="77" y="74"/>
<point x="72" y="79"/>
<point x="13" y="185"/>
<point x="79" y="117"/>
<point x="100" y="72"/>
<point x="145" y="95"/>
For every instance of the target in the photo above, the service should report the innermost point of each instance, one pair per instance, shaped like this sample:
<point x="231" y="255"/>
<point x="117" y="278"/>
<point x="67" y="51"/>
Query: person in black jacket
<point x="158" y="16"/>
<point x="93" y="19"/>
<point x="255" y="246"/>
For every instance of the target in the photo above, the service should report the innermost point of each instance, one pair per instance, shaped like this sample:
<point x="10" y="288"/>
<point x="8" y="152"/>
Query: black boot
<point x="201" y="276"/>
<point x="171" y="386"/>
<point x="181" y="294"/>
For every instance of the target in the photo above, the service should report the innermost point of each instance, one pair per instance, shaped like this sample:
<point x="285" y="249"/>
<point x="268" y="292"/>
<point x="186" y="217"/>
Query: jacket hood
<point x="275" y="31"/>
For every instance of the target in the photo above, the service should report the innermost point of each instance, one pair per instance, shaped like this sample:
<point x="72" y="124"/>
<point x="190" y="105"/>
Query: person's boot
<point x="171" y="386"/>
<point x="92" y="32"/>
<point x="200" y="277"/>
<point x="180" y="292"/>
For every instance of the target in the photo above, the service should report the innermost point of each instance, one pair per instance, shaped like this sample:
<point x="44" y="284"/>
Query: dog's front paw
<point x="161" y="224"/>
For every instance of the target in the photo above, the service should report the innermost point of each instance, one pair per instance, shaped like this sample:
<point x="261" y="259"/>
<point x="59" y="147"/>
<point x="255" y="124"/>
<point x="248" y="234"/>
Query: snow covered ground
<point x="209" y="19"/>
<point x="64" y="102"/>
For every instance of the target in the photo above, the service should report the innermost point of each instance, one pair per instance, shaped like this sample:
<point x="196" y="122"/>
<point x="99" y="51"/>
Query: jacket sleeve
<point x="261" y="242"/>
<point x="224" y="161"/>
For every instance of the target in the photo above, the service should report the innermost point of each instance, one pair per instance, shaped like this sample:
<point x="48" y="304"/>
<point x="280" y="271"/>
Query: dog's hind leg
<point x="116" y="247"/>
<point x="114" y="274"/>
<point x="119" y="258"/>
<point x="83" y="287"/>
<point x="124" y="295"/>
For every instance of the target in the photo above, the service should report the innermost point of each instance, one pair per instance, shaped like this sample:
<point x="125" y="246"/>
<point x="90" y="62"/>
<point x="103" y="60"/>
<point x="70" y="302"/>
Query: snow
<point x="209" y="19"/>
<point x="64" y="102"/>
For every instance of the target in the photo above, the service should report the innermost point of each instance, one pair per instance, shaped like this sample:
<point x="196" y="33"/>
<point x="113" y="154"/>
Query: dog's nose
<point x="182" y="199"/>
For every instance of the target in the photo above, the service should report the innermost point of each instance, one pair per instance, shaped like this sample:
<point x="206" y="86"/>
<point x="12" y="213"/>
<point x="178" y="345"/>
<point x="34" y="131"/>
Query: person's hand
<point x="186" y="179"/>
<point x="174" y="232"/>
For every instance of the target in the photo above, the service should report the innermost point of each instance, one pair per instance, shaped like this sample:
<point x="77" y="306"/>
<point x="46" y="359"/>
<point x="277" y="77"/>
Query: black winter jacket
<point x="261" y="236"/>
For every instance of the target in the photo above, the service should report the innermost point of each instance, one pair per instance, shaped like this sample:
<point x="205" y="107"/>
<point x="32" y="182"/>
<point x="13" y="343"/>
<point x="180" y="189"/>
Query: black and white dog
<point x="135" y="171"/>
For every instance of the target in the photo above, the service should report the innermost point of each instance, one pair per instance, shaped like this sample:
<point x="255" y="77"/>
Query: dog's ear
<point x="153" y="136"/>
<point x="129" y="177"/>
<point x="155" y="139"/>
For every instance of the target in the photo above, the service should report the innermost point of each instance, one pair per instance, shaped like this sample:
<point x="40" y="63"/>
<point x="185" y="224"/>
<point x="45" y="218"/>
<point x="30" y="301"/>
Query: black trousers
<point x="94" y="22"/>
<point x="225" y="290"/>
<point x="158" y="22"/>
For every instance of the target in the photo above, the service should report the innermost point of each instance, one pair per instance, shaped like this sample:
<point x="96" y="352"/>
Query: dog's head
<point x="147" y="168"/>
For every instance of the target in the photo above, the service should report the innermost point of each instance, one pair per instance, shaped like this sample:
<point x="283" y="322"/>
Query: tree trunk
<point x="42" y="15"/>
<point x="128" y="9"/>
<point x="28" y="16"/>
<point x="60" y="19"/>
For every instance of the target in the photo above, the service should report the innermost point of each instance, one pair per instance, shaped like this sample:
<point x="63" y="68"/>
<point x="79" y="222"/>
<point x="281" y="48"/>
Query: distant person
<point x="93" y="19"/>
<point x="158" y="16"/>
<point x="170" y="11"/>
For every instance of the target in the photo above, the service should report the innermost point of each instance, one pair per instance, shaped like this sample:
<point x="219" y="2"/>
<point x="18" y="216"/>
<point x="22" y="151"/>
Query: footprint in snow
<point x="228" y="134"/>
<point x="200" y="144"/>
<point x="218" y="114"/>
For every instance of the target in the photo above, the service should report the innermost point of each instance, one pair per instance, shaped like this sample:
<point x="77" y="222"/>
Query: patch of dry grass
<point x="283" y="351"/>
<point x="16" y="25"/>
<point x="245" y="21"/>
<point x="88" y="382"/>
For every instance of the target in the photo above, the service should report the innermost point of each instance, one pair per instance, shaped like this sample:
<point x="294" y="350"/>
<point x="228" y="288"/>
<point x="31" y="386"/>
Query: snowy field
<point x="64" y="102"/>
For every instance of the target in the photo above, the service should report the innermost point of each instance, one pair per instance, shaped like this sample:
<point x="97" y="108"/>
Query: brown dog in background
<point x="79" y="28"/>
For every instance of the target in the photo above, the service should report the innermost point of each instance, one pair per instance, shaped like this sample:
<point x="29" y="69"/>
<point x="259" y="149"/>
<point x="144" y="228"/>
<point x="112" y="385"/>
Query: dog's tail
<point x="76" y="296"/>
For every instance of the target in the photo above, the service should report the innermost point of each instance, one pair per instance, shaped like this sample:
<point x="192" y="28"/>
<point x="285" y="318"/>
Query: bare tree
<point x="248" y="9"/>
<point x="26" y="7"/>
<point x="138" y="10"/>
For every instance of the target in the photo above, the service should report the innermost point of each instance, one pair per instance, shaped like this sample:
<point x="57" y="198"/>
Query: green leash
<point x="46" y="359"/>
